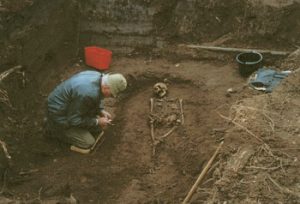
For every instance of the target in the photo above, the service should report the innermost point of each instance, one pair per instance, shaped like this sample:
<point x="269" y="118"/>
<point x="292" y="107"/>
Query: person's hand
<point x="106" y="114"/>
<point x="103" y="122"/>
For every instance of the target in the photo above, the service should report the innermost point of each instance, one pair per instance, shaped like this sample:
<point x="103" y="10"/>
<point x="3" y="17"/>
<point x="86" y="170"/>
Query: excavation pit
<point x="152" y="42"/>
<point x="126" y="155"/>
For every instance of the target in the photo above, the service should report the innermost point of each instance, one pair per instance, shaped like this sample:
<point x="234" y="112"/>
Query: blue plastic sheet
<point x="266" y="79"/>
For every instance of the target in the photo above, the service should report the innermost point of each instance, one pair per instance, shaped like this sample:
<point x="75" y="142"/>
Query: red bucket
<point x="97" y="57"/>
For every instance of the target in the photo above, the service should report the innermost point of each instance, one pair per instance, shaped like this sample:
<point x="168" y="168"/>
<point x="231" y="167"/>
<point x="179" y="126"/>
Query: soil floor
<point x="258" y="162"/>
<point x="124" y="168"/>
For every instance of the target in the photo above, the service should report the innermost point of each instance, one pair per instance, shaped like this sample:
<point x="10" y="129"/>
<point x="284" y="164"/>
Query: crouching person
<point x="75" y="107"/>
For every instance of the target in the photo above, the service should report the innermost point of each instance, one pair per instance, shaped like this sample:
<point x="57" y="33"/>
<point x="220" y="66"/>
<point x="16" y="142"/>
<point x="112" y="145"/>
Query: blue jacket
<point x="77" y="101"/>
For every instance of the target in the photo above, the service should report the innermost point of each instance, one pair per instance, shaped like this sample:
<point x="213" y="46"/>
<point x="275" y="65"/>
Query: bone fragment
<point x="169" y="132"/>
<point x="181" y="111"/>
<point x="154" y="142"/>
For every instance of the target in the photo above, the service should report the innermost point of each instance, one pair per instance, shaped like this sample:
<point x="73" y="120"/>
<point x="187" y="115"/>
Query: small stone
<point x="83" y="179"/>
<point x="231" y="90"/>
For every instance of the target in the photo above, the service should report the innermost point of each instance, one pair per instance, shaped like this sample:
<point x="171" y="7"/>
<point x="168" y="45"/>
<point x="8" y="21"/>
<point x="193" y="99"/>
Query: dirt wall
<point x="36" y="32"/>
<point x="123" y="25"/>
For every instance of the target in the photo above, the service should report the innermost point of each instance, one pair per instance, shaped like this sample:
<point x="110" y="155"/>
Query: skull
<point x="160" y="89"/>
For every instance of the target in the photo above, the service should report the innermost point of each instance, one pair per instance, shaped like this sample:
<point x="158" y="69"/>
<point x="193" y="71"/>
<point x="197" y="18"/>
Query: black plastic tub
<point x="249" y="62"/>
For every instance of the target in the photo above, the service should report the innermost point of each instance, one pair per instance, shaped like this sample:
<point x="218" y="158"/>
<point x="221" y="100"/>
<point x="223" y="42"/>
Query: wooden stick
<point x="99" y="143"/>
<point x="181" y="111"/>
<point x="97" y="140"/>
<point x="202" y="174"/>
<point x="229" y="49"/>
<point x="86" y="151"/>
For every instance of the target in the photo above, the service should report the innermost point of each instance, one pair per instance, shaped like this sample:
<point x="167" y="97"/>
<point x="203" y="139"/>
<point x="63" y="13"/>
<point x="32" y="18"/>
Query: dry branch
<point x="263" y="168"/>
<point x="283" y="189"/>
<point x="3" y="94"/>
<point x="260" y="111"/>
<point x="242" y="127"/>
<point x="202" y="174"/>
<point x="256" y="109"/>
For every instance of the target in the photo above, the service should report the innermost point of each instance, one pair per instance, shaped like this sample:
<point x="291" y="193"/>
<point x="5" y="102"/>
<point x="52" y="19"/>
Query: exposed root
<point x="4" y="74"/>
<point x="238" y="109"/>
<point x="3" y="94"/>
<point x="3" y="144"/>
<point x="283" y="189"/>
<point x="242" y="127"/>
<point x="4" y="98"/>
<point x="263" y="168"/>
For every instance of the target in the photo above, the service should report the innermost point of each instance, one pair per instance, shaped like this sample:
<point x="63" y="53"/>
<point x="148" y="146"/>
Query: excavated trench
<point x="123" y="169"/>
<point x="167" y="174"/>
<point x="143" y="36"/>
